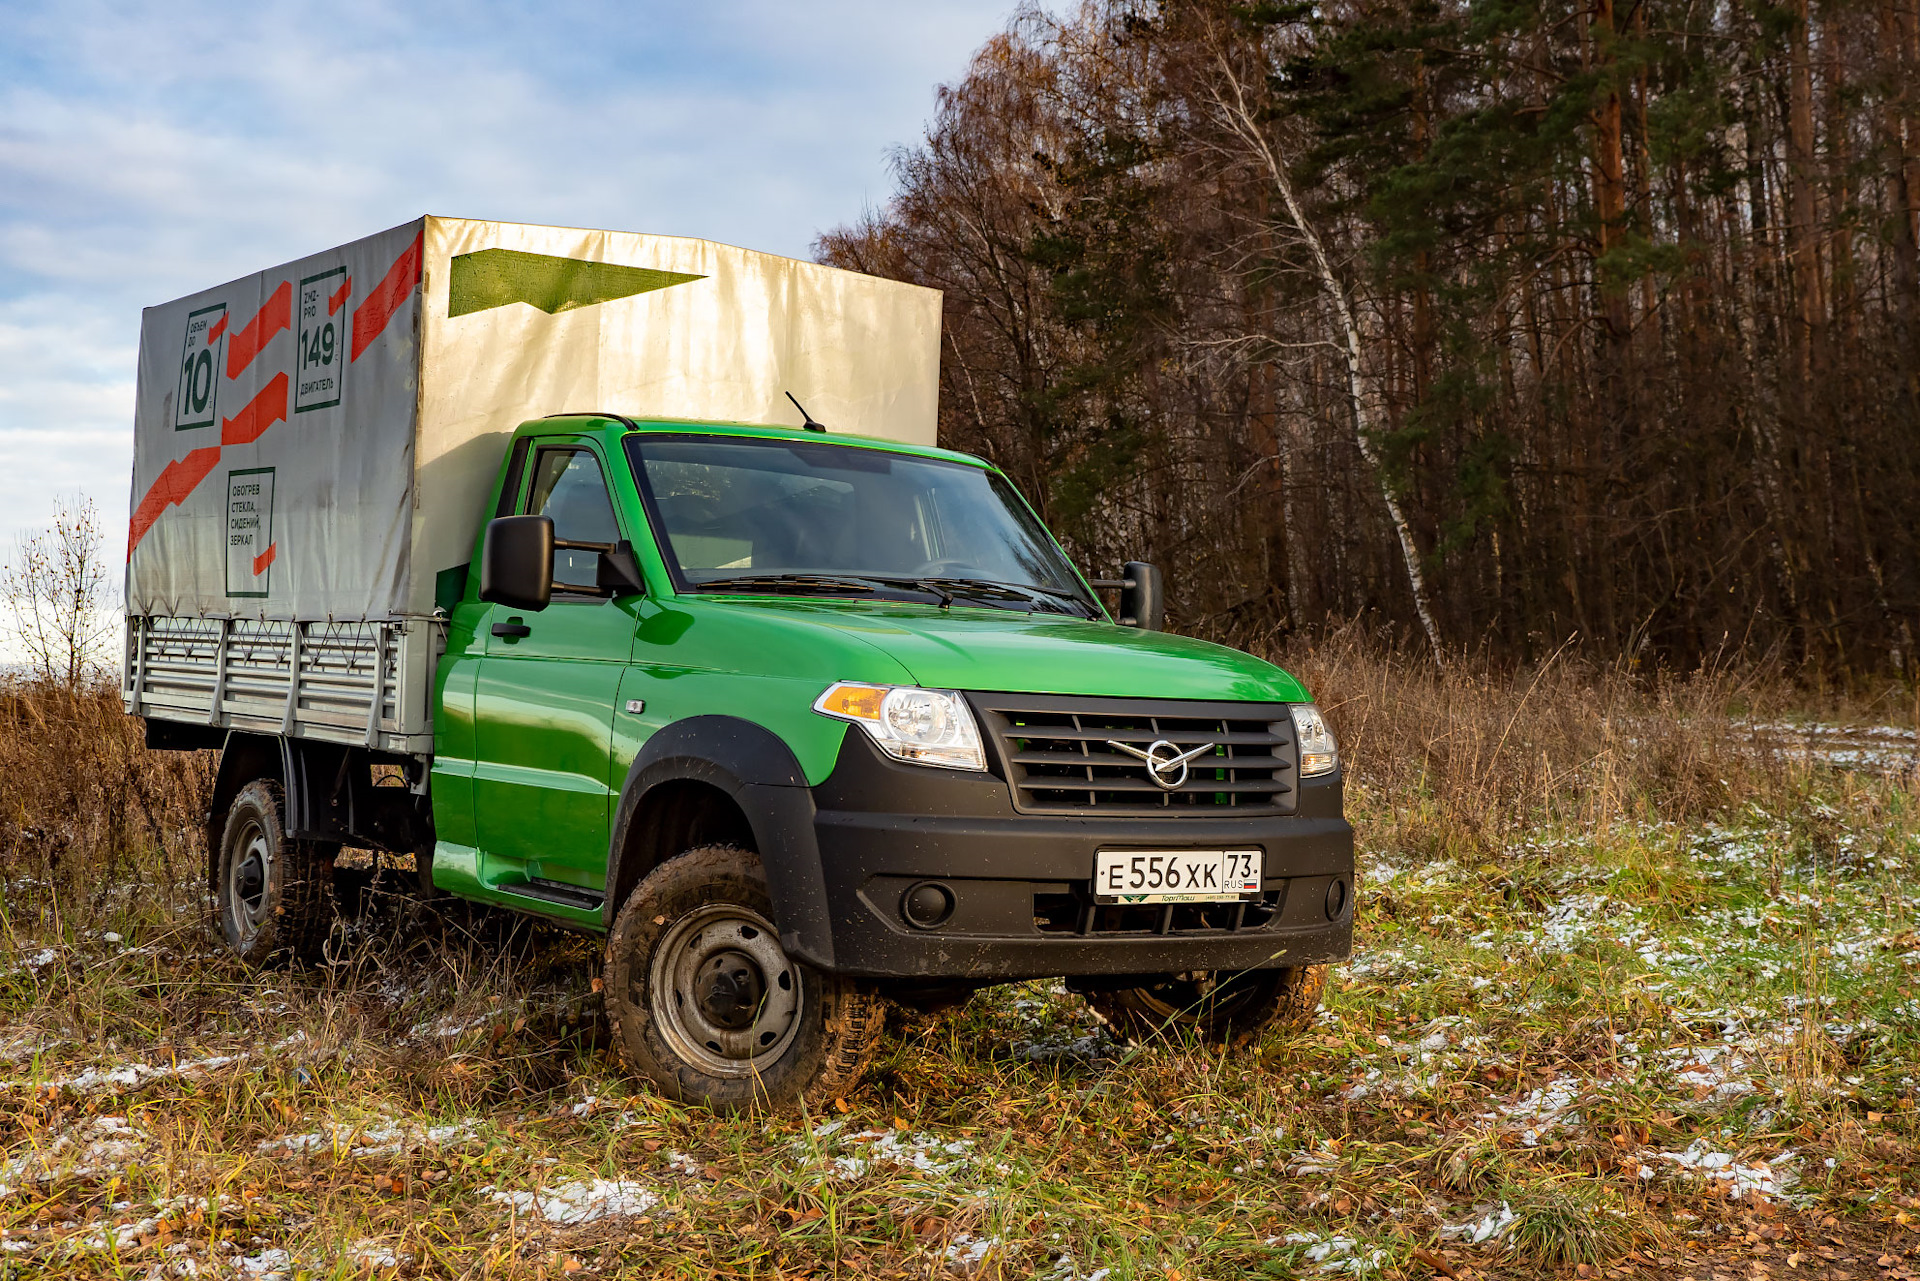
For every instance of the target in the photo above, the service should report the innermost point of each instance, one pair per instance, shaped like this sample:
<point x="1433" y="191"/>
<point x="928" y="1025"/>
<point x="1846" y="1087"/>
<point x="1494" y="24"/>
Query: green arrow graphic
<point x="496" y="277"/>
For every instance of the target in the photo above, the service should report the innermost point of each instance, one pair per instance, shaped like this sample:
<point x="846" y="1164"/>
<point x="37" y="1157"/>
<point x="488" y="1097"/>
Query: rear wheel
<point x="706" y="1004"/>
<point x="274" y="895"/>
<point x="1229" y="1010"/>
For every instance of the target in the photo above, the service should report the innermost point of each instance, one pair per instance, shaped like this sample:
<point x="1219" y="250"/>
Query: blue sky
<point x="147" y="151"/>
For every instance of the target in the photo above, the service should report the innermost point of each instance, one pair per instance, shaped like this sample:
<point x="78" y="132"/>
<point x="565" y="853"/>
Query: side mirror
<point x="1143" y="601"/>
<point x="516" y="562"/>
<point x="618" y="573"/>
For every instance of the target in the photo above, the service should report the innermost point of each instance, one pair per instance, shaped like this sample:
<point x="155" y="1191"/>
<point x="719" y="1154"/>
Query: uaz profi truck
<point x="802" y="721"/>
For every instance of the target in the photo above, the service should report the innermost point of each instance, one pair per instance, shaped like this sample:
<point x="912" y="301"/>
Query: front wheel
<point x="706" y="1004"/>
<point x="1229" y="1010"/>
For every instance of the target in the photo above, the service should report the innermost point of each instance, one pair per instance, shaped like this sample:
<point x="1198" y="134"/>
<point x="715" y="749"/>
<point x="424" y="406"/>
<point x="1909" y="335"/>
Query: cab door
<point x="546" y="691"/>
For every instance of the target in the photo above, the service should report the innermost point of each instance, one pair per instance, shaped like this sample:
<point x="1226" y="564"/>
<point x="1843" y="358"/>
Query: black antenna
<point x="809" y="424"/>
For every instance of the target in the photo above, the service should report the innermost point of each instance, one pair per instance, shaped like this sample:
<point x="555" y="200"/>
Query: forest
<point x="1497" y="326"/>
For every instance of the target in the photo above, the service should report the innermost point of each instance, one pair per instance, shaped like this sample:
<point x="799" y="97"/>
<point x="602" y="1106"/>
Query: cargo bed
<point x="360" y="684"/>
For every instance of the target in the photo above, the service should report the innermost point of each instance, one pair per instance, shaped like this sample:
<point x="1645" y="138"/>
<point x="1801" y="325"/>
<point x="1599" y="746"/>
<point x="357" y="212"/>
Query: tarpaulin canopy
<point x="316" y="441"/>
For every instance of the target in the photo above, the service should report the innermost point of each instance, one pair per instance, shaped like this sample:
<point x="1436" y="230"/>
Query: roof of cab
<point x="595" y="421"/>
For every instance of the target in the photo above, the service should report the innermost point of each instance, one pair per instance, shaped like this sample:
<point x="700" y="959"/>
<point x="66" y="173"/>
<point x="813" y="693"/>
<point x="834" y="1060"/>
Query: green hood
<point x="987" y="649"/>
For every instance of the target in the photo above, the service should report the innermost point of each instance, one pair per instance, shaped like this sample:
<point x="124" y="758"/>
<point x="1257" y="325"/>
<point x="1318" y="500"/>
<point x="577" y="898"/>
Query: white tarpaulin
<point x="316" y="442"/>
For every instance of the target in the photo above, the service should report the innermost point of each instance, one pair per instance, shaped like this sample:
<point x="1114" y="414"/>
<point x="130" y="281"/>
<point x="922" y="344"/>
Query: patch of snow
<point x="1490" y="1226"/>
<point x="268" y="1265"/>
<point x="369" y="1253"/>
<point x="584" y="1201"/>
<point x="922" y="1152"/>
<point x="104" y="1146"/>
<point x="967" y="1250"/>
<point x="135" y="1076"/>
<point x="1541" y="1110"/>
<point x="1762" y="1180"/>
<point x="1335" y="1254"/>
<point x="389" y="1139"/>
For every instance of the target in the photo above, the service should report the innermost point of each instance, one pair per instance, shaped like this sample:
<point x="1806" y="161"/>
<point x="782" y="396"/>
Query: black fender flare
<point x="243" y="758"/>
<point x="756" y="768"/>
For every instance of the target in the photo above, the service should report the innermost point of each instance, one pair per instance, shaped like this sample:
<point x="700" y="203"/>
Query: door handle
<point x="512" y="631"/>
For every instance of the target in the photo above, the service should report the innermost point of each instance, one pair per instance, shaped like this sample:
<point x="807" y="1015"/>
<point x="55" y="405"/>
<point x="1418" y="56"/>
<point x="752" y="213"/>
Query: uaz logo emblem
<point x="1162" y="759"/>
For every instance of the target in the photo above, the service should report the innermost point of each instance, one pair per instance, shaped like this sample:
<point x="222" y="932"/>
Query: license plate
<point x="1175" y="876"/>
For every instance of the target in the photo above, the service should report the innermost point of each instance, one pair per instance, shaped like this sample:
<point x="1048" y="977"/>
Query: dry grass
<point x="85" y="808"/>
<point x="1619" y="954"/>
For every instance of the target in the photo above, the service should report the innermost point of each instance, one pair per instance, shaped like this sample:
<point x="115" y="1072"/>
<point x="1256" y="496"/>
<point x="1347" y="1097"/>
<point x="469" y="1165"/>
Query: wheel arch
<point x="722" y="779"/>
<point x="243" y="758"/>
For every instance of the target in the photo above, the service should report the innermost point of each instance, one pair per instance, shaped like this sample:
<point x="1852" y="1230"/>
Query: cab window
<point x="569" y="487"/>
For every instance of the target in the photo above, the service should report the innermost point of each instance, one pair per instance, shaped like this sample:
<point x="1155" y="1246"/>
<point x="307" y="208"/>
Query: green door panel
<point x="544" y="712"/>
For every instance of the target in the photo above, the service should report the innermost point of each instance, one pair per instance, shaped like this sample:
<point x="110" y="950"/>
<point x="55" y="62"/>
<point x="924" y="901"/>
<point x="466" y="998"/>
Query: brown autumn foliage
<point x="85" y="808"/>
<point x="1594" y="320"/>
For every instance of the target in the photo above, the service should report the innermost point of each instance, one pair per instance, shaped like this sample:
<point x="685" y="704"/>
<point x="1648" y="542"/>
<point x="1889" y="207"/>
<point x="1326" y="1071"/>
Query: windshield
<point x="774" y="515"/>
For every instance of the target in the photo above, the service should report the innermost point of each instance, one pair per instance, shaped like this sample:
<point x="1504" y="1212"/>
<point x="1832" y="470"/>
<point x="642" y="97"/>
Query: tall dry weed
<point x="87" y="813"/>
<point x="1465" y="760"/>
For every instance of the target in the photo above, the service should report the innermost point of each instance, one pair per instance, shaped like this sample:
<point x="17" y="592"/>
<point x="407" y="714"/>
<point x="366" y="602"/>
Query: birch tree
<point x="1225" y="93"/>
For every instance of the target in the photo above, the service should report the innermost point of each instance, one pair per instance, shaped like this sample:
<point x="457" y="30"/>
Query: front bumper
<point x="1020" y="883"/>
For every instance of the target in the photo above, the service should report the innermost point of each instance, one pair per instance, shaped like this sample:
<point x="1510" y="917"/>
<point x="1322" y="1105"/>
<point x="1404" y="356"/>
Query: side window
<point x="568" y="486"/>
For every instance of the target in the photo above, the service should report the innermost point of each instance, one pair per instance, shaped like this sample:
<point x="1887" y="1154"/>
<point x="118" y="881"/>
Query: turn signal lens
<point x="925" y="726"/>
<point x="1318" y="754"/>
<point x="852" y="702"/>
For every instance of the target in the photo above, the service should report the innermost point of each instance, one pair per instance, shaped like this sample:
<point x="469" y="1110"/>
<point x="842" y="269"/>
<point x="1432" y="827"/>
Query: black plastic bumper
<point x="1021" y="905"/>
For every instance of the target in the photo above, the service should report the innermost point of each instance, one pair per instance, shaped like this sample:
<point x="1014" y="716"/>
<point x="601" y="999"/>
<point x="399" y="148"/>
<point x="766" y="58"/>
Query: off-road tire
<point x="288" y="910"/>
<point x="1234" y="1014"/>
<point x="827" y="1042"/>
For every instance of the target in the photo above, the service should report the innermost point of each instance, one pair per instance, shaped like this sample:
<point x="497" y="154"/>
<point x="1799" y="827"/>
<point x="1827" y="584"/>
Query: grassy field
<point x="1652" y="1008"/>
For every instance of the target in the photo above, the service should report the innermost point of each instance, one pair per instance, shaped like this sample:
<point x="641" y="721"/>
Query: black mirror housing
<point x="1143" y="598"/>
<point x="618" y="573"/>
<point x="516" y="562"/>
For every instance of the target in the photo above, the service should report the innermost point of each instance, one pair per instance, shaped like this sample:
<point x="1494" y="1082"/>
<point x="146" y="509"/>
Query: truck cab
<point x="807" y="724"/>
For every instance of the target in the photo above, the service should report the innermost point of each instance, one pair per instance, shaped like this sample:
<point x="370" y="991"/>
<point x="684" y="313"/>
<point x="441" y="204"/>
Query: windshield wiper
<point x="945" y="589"/>
<point x="789" y="583"/>
<point x="805" y="583"/>
<point x="1037" y="596"/>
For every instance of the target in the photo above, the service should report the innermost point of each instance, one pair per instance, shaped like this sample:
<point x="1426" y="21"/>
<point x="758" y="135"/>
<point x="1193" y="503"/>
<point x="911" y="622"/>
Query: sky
<point x="148" y="151"/>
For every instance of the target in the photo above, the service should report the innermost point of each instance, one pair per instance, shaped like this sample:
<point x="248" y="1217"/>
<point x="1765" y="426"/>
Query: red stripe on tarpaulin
<point x="177" y="479"/>
<point x="274" y="315"/>
<point x="182" y="476"/>
<point x="339" y="296"/>
<point x="262" y="412"/>
<point x="219" y="327"/>
<point x="265" y="559"/>
<point x="370" y="317"/>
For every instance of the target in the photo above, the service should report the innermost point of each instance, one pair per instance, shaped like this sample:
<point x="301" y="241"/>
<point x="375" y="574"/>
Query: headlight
<point x="1318" y="755"/>
<point x="925" y="726"/>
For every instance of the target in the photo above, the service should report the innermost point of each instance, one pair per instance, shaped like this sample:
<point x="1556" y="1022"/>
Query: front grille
<point x="1057" y="757"/>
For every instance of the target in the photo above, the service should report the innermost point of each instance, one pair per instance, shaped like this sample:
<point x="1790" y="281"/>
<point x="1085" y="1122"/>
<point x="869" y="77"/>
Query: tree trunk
<point x="1238" y="116"/>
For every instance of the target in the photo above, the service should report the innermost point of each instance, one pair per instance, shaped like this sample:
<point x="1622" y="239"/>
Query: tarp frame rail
<point x="364" y="683"/>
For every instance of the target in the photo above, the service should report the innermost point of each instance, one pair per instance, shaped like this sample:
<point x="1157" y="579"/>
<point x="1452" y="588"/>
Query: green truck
<point x="802" y="722"/>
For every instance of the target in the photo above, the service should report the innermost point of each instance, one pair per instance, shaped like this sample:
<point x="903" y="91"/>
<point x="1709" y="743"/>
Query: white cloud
<point x="150" y="151"/>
